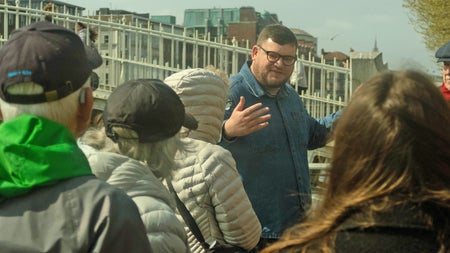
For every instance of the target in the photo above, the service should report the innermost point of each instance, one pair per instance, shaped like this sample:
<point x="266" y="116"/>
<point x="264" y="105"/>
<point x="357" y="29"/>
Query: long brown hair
<point x="392" y="145"/>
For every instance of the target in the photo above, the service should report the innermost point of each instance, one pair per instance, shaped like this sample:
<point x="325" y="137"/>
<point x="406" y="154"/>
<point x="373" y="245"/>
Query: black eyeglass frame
<point x="273" y="57"/>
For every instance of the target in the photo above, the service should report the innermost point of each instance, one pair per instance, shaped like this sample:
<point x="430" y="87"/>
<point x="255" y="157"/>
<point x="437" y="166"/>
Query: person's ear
<point x="84" y="110"/>
<point x="254" y="51"/>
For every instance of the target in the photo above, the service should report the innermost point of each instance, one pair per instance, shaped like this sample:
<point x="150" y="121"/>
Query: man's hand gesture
<point x="243" y="122"/>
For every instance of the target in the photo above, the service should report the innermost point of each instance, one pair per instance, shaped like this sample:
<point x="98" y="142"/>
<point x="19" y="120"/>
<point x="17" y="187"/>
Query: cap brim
<point x="443" y="59"/>
<point x="190" y="122"/>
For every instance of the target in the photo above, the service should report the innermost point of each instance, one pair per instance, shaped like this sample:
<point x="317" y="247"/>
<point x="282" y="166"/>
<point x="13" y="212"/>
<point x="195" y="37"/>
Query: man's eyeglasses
<point x="273" y="57"/>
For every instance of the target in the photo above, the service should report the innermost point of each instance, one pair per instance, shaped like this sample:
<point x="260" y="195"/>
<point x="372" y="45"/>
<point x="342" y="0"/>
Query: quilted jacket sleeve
<point x="164" y="231"/>
<point x="210" y="187"/>
<point x="233" y="210"/>
<point x="155" y="204"/>
<point x="120" y="231"/>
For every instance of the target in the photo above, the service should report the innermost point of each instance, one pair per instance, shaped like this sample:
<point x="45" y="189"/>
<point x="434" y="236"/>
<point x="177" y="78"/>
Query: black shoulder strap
<point x="187" y="217"/>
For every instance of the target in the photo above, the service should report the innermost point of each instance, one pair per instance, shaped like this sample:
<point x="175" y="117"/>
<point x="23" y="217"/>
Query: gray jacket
<point x="155" y="204"/>
<point x="81" y="214"/>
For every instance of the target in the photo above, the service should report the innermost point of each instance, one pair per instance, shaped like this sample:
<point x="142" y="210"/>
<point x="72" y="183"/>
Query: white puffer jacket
<point x="207" y="180"/>
<point x="155" y="204"/>
<point x="210" y="187"/>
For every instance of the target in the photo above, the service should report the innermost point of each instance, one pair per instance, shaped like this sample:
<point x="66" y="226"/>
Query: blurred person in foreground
<point x="49" y="199"/>
<point x="206" y="180"/>
<point x="388" y="188"/>
<point x="135" y="150"/>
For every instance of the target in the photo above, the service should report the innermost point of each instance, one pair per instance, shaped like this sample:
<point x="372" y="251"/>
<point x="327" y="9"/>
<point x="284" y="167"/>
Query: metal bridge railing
<point x="135" y="48"/>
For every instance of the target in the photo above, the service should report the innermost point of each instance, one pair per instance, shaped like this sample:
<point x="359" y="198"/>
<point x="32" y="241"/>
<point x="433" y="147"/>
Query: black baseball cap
<point x="46" y="54"/>
<point x="149" y="107"/>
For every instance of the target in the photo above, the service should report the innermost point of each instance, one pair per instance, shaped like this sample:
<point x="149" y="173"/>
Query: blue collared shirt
<point x="273" y="162"/>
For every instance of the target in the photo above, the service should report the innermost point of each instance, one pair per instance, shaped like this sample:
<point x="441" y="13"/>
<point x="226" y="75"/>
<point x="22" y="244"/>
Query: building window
<point x="106" y="78"/>
<point x="107" y="61"/>
<point x="106" y="39"/>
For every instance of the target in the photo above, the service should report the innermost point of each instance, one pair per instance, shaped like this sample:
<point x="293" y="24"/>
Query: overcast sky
<point x="351" y="23"/>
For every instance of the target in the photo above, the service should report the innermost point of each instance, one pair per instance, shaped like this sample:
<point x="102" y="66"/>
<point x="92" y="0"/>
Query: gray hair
<point x="159" y="156"/>
<point x="62" y="110"/>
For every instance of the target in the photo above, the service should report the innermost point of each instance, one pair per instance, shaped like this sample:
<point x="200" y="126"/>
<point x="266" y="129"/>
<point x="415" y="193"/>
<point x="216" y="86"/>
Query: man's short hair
<point x="279" y="34"/>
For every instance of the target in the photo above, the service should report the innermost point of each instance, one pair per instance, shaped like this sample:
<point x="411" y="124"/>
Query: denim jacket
<point x="273" y="161"/>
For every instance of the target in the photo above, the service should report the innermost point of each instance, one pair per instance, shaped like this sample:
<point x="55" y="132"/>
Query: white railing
<point x="133" y="48"/>
<point x="319" y="176"/>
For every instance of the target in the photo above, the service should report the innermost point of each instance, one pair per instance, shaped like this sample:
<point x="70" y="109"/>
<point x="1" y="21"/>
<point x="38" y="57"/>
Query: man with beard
<point x="443" y="55"/>
<point x="269" y="139"/>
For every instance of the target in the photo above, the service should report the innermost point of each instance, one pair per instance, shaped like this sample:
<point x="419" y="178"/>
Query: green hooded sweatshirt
<point x="35" y="152"/>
